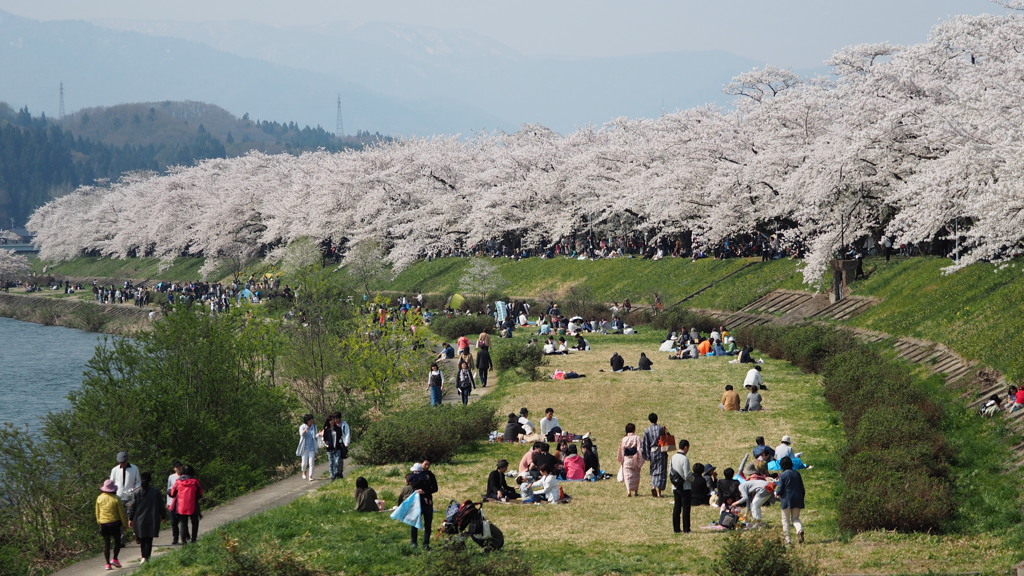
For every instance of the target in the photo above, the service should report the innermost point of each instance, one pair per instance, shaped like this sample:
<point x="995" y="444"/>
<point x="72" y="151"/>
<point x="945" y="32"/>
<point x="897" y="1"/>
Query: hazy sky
<point x="786" y="33"/>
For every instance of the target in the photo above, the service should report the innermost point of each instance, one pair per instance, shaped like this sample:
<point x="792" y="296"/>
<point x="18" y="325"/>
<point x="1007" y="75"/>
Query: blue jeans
<point x="435" y="395"/>
<point x="464" y="392"/>
<point x="482" y="376"/>
<point x="337" y="465"/>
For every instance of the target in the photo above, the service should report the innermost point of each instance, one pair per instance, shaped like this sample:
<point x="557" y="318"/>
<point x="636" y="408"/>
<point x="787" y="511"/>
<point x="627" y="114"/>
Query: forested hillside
<point x="42" y="158"/>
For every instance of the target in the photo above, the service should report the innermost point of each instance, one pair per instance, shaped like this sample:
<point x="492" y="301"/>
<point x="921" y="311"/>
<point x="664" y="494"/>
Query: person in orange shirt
<point x="704" y="347"/>
<point x="730" y="399"/>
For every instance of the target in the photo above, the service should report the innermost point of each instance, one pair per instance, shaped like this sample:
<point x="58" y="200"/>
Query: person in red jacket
<point x="186" y="494"/>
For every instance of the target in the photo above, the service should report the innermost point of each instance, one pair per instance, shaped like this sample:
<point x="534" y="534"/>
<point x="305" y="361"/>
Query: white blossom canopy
<point x="920" y="143"/>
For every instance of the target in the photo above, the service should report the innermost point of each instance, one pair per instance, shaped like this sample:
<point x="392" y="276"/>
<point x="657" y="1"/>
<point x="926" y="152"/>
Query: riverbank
<point x="74" y="313"/>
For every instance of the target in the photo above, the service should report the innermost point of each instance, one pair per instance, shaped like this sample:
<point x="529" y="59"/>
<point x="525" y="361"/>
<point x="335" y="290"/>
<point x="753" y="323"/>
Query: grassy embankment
<point x="602" y="532"/>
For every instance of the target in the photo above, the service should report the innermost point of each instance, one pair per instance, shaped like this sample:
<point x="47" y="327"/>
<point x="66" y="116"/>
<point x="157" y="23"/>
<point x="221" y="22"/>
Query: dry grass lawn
<point x="602" y="531"/>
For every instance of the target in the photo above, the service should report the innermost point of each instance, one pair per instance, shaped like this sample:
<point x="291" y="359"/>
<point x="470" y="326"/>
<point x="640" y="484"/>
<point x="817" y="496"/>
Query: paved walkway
<point x="277" y="494"/>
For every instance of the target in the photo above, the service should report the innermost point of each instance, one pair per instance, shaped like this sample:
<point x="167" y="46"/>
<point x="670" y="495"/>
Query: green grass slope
<point x="614" y="280"/>
<point x="976" y="311"/>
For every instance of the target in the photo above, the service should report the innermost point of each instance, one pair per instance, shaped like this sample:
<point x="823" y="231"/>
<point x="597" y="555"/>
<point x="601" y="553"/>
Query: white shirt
<point x="127" y="481"/>
<point x="170" y="484"/>
<point x="546" y="425"/>
<point x="550" y="485"/>
<point x="527" y="425"/>
<point x="753" y="378"/>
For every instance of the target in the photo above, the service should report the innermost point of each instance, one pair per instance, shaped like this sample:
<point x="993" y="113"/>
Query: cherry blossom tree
<point x="921" y="142"/>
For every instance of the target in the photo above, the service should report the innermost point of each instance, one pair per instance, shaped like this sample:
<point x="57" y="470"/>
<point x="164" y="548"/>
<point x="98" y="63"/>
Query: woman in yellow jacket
<point x="111" y="517"/>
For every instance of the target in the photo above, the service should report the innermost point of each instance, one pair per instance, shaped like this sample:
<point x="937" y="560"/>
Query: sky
<point x="785" y="33"/>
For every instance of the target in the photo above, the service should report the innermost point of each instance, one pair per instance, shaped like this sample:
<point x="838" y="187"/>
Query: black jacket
<point x="483" y="360"/>
<point x="497" y="487"/>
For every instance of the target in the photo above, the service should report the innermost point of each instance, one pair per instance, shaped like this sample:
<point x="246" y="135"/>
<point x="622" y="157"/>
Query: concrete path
<point x="272" y="496"/>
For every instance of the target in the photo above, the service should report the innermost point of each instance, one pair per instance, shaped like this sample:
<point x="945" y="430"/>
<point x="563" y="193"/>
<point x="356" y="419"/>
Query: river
<point x="39" y="365"/>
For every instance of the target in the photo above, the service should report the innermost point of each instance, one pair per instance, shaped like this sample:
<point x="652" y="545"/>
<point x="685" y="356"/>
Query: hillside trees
<point x="921" y="143"/>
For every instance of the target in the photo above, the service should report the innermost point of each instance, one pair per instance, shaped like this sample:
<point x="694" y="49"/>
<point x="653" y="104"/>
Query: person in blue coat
<point x="790" y="492"/>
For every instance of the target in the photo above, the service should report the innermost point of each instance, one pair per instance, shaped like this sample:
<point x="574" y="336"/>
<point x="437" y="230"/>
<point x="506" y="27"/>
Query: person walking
<point x="435" y="384"/>
<point x="630" y="460"/>
<point x="125" y="476"/>
<point x="172" y="515"/>
<point x="307" y="447"/>
<point x="112" y="518"/>
<point x="424" y="483"/>
<point x="483" y="360"/>
<point x="464" y="381"/>
<point x="682" y="478"/>
<point x="336" y="437"/>
<point x="651" y="452"/>
<point x="186" y="494"/>
<point x="147" y="514"/>
<point x="790" y="492"/>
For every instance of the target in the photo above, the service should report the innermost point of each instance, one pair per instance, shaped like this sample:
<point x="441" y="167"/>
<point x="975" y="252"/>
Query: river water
<point x="39" y="365"/>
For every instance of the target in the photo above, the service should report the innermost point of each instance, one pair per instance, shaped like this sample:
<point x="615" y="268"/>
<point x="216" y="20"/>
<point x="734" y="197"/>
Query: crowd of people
<point x="129" y="503"/>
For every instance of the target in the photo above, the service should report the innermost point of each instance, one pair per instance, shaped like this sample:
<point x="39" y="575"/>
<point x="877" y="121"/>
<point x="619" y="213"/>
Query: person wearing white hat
<point x="785" y="448"/>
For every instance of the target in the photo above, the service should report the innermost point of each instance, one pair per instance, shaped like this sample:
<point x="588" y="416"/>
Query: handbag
<point x="728" y="520"/>
<point x="666" y="441"/>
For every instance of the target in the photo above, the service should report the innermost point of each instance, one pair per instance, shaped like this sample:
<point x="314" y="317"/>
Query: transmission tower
<point x="61" y="114"/>
<point x="339" y="130"/>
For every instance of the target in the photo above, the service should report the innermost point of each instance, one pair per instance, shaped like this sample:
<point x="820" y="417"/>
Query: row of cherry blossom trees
<point x="911" y="141"/>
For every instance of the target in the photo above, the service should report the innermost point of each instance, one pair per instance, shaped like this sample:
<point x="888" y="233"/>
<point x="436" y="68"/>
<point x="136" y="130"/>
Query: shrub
<point x="885" y="491"/>
<point x="754" y="554"/>
<point x="89" y="317"/>
<point x="684" y="319"/>
<point x="516" y="356"/>
<point x="452" y="327"/>
<point x="263" y="560"/>
<point x="453" y="558"/>
<point x="424" y="432"/>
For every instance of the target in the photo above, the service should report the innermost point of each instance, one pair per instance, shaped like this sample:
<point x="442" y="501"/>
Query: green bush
<point x="267" y="559"/>
<point x="452" y="327"/>
<point x="426" y="432"/>
<point x="516" y="356"/>
<point x="884" y="490"/>
<point x="754" y="554"/>
<point x="684" y="319"/>
<point x="454" y="558"/>
<point x="895" y="468"/>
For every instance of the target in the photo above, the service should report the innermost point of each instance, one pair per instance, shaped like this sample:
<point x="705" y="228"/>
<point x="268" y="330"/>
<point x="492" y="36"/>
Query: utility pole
<point x="339" y="129"/>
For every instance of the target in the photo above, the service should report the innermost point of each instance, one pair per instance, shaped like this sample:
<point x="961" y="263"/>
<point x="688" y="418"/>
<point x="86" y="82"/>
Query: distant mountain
<point x="42" y="158"/>
<point x="100" y="66"/>
<point x="392" y="79"/>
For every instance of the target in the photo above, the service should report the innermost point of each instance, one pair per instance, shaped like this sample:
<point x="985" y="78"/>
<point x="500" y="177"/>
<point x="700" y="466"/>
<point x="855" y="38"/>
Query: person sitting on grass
<point x="590" y="458"/>
<point x="730" y="399"/>
<point x="699" y="491"/>
<point x="514" y="431"/>
<point x="548" y="485"/>
<point x="575" y="465"/>
<point x="644" y="363"/>
<point x="366" y="497"/>
<point x="617" y="363"/>
<point x="753" y="403"/>
<point x="728" y="488"/>
<point x="497" y="488"/>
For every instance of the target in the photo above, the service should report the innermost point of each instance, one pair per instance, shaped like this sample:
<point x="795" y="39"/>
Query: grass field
<point x="601" y="531"/>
